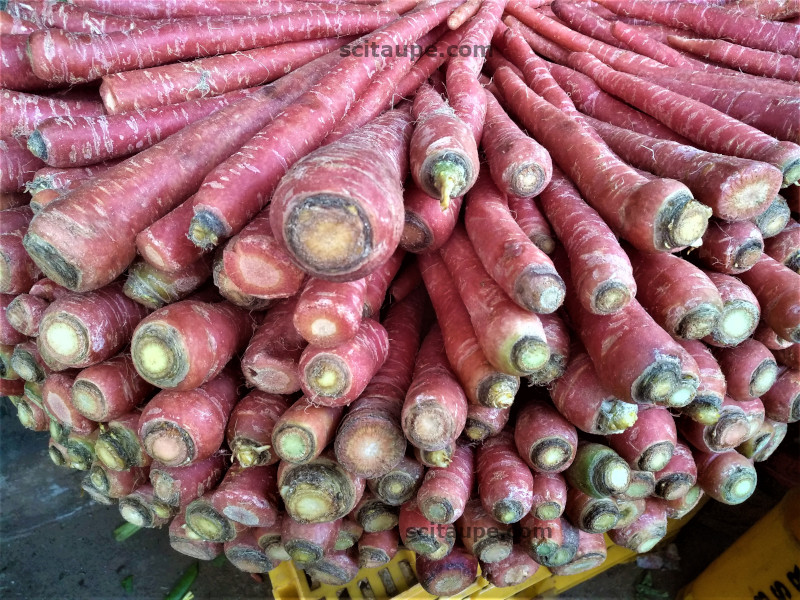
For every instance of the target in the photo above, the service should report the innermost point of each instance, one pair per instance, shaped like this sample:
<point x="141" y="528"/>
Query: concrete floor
<point x="57" y="543"/>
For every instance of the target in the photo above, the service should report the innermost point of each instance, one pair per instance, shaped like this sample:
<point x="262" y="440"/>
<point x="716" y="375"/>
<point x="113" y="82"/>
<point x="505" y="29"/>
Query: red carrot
<point x="749" y="369"/>
<point x="22" y="113"/>
<point x="447" y="576"/>
<point x="17" y="165"/>
<point x="269" y="539"/>
<point x="306" y="543"/>
<point x="75" y="57"/>
<point x="505" y="484"/>
<point x="644" y="533"/>
<point x="16" y="72"/>
<point x="31" y="415"/>
<point x="591" y="514"/>
<point x="584" y="20"/>
<point x="119" y="446"/>
<point x="145" y="89"/>
<point x="217" y="213"/>
<point x="8" y="335"/>
<point x="209" y="523"/>
<point x="64" y="179"/>
<point x="78" y="330"/>
<point x="250" y="426"/>
<point x="713" y="22"/>
<point x="514" y="570"/>
<point x="544" y="439"/>
<point x="154" y="288"/>
<point x="178" y="486"/>
<point x="164" y="243"/>
<point x="782" y="401"/>
<point x="270" y="361"/>
<point x="680" y="474"/>
<point x="773" y="220"/>
<point x="427" y="227"/>
<point x="729" y="430"/>
<point x="734" y="188"/>
<point x="56" y="400"/>
<point x="378" y="283"/>
<point x="550" y="543"/>
<point x="377" y="549"/>
<point x="604" y="285"/>
<point x="248" y="495"/>
<point x="116" y="484"/>
<point x="482" y="536"/>
<point x="140" y="508"/>
<point x="17" y="271"/>
<point x="186" y="344"/>
<point x="370" y="440"/>
<point x="638" y="41"/>
<point x="591" y="553"/>
<point x="158" y="178"/>
<point x="27" y="362"/>
<point x="711" y="390"/>
<point x="329" y="313"/>
<point x="728" y="477"/>
<point x="336" y="569"/>
<point x="245" y="554"/>
<point x="109" y="389"/>
<point x="530" y="219"/>
<point x="549" y="496"/>
<point x="303" y="431"/>
<point x="426" y="538"/>
<point x="777" y="289"/>
<point x="399" y="484"/>
<point x="444" y="492"/>
<point x="231" y="292"/>
<point x="181" y="427"/>
<point x="767" y="336"/>
<point x="731" y="247"/>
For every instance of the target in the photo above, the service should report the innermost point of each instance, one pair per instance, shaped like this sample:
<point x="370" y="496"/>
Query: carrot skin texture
<point x="444" y="492"/>
<point x="778" y="291"/>
<point x="680" y="474"/>
<point x="378" y="283"/>
<point x="329" y="313"/>
<point x="164" y="244"/>
<point x="154" y="288"/>
<point x="179" y="486"/>
<point x="530" y="219"/>
<point x="102" y="323"/>
<point x="749" y="368"/>
<point x="556" y="547"/>
<point x="731" y="247"/>
<point x="196" y="339"/>
<point x="109" y="389"/>
<point x="213" y="76"/>
<point x="356" y="361"/>
<point x="646" y="531"/>
<point x="270" y="361"/>
<point x="505" y="484"/>
<point x="601" y="271"/>
<point x="712" y="387"/>
<point x="784" y="247"/>
<point x="427" y="227"/>
<point x="23" y="112"/>
<point x="511" y="571"/>
<point x="424" y="537"/>
<point x="544" y="439"/>
<point x="727" y="477"/>
<point x="473" y="530"/>
<point x="17" y="73"/>
<point x="200" y="414"/>
<point x="77" y="57"/>
<point x="56" y="401"/>
<point x="449" y="575"/>
<point x="649" y="443"/>
<point x="250" y="427"/>
<point x="549" y="496"/>
<point x="8" y="335"/>
<point x="248" y="495"/>
<point x="782" y="401"/>
<point x="307" y="425"/>
<point x="377" y="549"/>
<point x="18" y="272"/>
<point x="306" y="543"/>
<point x="17" y="165"/>
<point x="120" y="483"/>
<point x="244" y="553"/>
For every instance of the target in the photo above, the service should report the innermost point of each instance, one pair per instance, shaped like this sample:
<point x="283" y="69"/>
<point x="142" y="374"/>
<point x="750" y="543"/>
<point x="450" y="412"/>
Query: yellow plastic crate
<point x="397" y="580"/>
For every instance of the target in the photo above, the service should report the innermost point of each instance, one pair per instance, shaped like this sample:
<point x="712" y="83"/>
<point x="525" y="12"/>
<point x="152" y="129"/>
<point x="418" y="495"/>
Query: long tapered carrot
<point x="21" y="112"/>
<point x="731" y="246"/>
<point x="778" y="292"/>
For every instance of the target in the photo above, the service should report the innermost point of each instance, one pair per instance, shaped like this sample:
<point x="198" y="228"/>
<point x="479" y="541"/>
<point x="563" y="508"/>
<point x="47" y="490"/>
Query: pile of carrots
<point x="277" y="281"/>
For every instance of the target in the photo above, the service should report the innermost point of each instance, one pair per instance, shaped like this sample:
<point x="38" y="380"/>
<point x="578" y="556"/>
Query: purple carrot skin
<point x="75" y="18"/>
<point x="590" y="514"/>
<point x="277" y="147"/>
<point x="56" y="400"/>
<point x="177" y="83"/>
<point x="749" y="369"/>
<point x="778" y="437"/>
<point x="380" y="279"/>
<point x="181" y="427"/>
<point x="549" y="496"/>
<point x="17" y="271"/>
<point x="505" y="484"/>
<point x="80" y="141"/>
<point x="782" y="401"/>
<point x="749" y="60"/>
<point x="109" y="389"/>
<point x="270" y="361"/>
<point x="337" y="376"/>
<point x="557" y="335"/>
<point x="119" y="446"/>
<point x="435" y="409"/>
<point x="683" y="114"/>
<point x="194" y="8"/>
<point x="245" y="554"/>
<point x="678" y="295"/>
<point x="449" y="575"/>
<point x="768" y="337"/>
<point x="427" y="65"/>
<point x="550" y="543"/>
<point x="17" y="165"/>
<point x="639" y="41"/>
<point x="519" y="165"/>
<point x="78" y="330"/>
<point x="515" y="569"/>
<point x="31" y="416"/>
<point x="778" y="291"/>
<point x="731" y="247"/>
<point x="788" y="357"/>
<point x="141" y="509"/>
<point x="712" y="21"/>
<point x="443" y="153"/>
<point x="248" y="496"/>
<point x="584" y="401"/>
<point x="652" y="214"/>
<point x="164" y="244"/>
<point x="178" y="486"/>
<point x="432" y="540"/>
<point x="444" y="492"/>
<point x="64" y="57"/>
<point x="399" y="484"/>
<point x="680" y="474"/>
<point x="601" y="271"/>
<point x="304" y="430"/>
<point x="518" y="266"/>
<point x="22" y="112"/>
<point x="514" y="344"/>
<point x="250" y="426"/>
<point x="17" y="73"/>
<point x="734" y="188"/>
<point x="482" y="536"/>
<point x="730" y="429"/>
<point x="533" y="224"/>
<point x="544" y="439"/>
<point x="711" y="390"/>
<point x="329" y="313"/>
<point x="154" y="288"/>
<point x="727" y="477"/>
<point x="370" y="440"/>
<point x="774" y="218"/>
<point x="116" y="484"/>
<point x="24" y="313"/>
<point x="740" y="313"/>
<point x="27" y="362"/>
<point x="427" y="227"/>
<point x="151" y="176"/>
<point x="377" y="549"/>
<point x="328" y="193"/>
<point x="319" y="491"/>
<point x="306" y="543"/>
<point x="436" y="458"/>
<point x="183" y="345"/>
<point x="646" y="531"/>
<point x="8" y="335"/>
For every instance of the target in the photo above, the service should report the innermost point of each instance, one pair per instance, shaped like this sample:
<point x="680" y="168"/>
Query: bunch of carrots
<point x="526" y="277"/>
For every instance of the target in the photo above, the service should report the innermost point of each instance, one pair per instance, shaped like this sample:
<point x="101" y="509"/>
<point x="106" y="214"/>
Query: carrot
<point x="179" y="486"/>
<point x="304" y="430"/>
<point x="482" y="536"/>
<point x="329" y="313"/>
<point x="332" y="493"/>
<point x="463" y="13"/>
<point x="22" y="112"/>
<point x="646" y="531"/>
<point x="31" y="415"/>
<point x="17" y="165"/>
<point x="64" y="179"/>
<point x="180" y="427"/>
<point x="17" y="271"/>
<point x="141" y="509"/>
<point x="782" y="401"/>
<point x="58" y="455"/>
<point x="370" y="440"/>
<point x="550" y="543"/>
<point x="270" y="361"/>
<point x="591" y="514"/>
<point x="248" y="496"/>
<point x="505" y="484"/>
<point x="399" y="484"/>
<point x="336" y="569"/>
<point x="56" y="401"/>
<point x="374" y="515"/>
<point x="638" y="41"/>
<point x="116" y="484"/>
<point x="544" y="439"/>
<point x="444" y="493"/>
<point x="730" y="429"/>
<point x="581" y="398"/>
<point x="427" y="227"/>
<point x="244" y="553"/>
<point x="217" y="213"/>
<point x="591" y="553"/>
<point x="549" y="496"/>
<point x="186" y="344"/>
<point x="734" y="188"/>
<point x="727" y="477"/>
<point x="598" y="471"/>
<point x="16" y="73"/>
<point x="685" y="116"/>
<point x="426" y="538"/>
<point x="153" y="288"/>
<point x="581" y="18"/>
<point x="377" y="549"/>
<point x="306" y="543"/>
<point x="8" y="335"/>
<point x="436" y="458"/>
<point x="774" y="218"/>
<point x="773" y="10"/>
<point x="604" y="285"/>
<point x="711" y="390"/>
<point x="680" y="474"/>
<point x="64" y="57"/>
<point x="145" y="89"/>
<point x="533" y="224"/>
<point x="515" y="569"/>
<point x="27" y="362"/>
<point x="337" y="376"/>
<point x="731" y="247"/>
<point x="713" y="22"/>
<point x="482" y="383"/>
<point x="164" y="244"/>
<point x="749" y="369"/>
<point x="789" y="357"/>
<point x="427" y="65"/>
<point x="208" y="523"/>
<point x="651" y="214"/>
<point x="642" y="485"/>
<point x="109" y="389"/>
<point x="776" y="288"/>
<point x="270" y="540"/>
<point x="172" y="9"/>
<point x="523" y="271"/>
<point x="378" y="283"/>
<point x="447" y="576"/>
<point x="764" y="334"/>
<point x="754" y="413"/>
<point x="250" y="427"/>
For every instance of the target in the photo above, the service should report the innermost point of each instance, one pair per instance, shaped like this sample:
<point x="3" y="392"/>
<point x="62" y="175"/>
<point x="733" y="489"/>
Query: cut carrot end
<point x="698" y="322"/>
<point x="656" y="457"/>
<point x="763" y="378"/>
<point x="205" y="231"/>
<point x="616" y="416"/>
